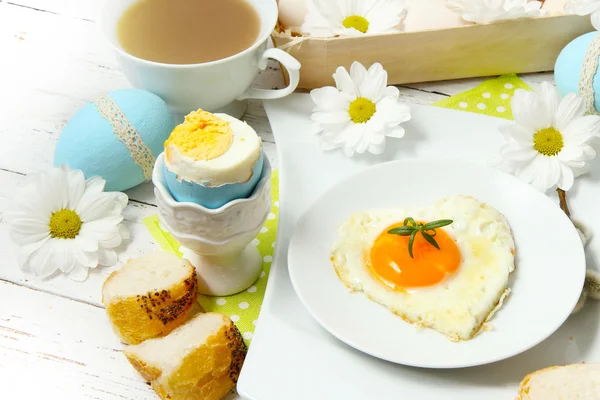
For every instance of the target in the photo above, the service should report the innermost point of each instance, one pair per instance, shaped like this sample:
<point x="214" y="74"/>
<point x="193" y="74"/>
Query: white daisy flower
<point x="489" y="11"/>
<point x="548" y="144"/>
<point x="327" y="18"/>
<point x="360" y="112"/>
<point x="63" y="222"/>
<point x="585" y="7"/>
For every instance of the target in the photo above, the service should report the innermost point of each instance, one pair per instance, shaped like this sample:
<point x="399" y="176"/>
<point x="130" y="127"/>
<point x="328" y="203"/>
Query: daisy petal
<point x="105" y="231"/>
<point x="327" y="145"/>
<point x="86" y="242"/>
<point x="391" y="91"/>
<point x="374" y="84"/>
<point x="51" y="188"/>
<point x="121" y="200"/>
<point x="540" y="180"/>
<point x="332" y="117"/>
<point x="79" y="273"/>
<point x="107" y="257"/>
<point x="392" y="112"/>
<point x="76" y="188"/>
<point x="29" y="226"/>
<point x="571" y="153"/>
<point x="357" y="73"/>
<point x="571" y="107"/>
<point x="377" y="138"/>
<point x="70" y="258"/>
<point x="580" y="130"/>
<point x="385" y="23"/>
<point x="87" y="259"/>
<point x="529" y="172"/>
<point x="344" y="83"/>
<point x="550" y="96"/>
<point x="377" y="148"/>
<point x="94" y="206"/>
<point x="396" y="132"/>
<point x="530" y="110"/>
<point x="24" y="252"/>
<point x="23" y="239"/>
<point x="517" y="153"/>
<point x="95" y="185"/>
<point x="329" y="99"/>
<point x="553" y="173"/>
<point x="124" y="232"/>
<point x="43" y="261"/>
<point x="363" y="143"/>
<point x="28" y="203"/>
<point x="567" y="178"/>
<point x="353" y="134"/>
<point x="517" y="133"/>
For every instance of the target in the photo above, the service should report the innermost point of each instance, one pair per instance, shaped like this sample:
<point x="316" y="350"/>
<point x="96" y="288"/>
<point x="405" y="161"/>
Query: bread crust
<point x="209" y="372"/>
<point x="524" y="388"/>
<point x="154" y="313"/>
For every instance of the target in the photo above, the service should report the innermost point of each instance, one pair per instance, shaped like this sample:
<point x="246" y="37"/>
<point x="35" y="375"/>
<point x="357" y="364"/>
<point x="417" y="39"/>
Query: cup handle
<point x="290" y="63"/>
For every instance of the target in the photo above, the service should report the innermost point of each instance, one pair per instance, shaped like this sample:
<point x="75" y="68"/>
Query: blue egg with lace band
<point x="576" y="69"/>
<point x="117" y="137"/>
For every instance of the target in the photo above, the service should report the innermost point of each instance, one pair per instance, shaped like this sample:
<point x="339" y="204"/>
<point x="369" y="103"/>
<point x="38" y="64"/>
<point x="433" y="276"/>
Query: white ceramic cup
<point x="216" y="86"/>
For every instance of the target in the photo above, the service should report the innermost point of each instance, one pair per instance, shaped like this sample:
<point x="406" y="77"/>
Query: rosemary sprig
<point x="412" y="228"/>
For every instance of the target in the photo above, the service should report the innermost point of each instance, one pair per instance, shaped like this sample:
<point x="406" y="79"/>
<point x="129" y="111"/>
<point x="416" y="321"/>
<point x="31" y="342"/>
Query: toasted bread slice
<point x="569" y="382"/>
<point x="150" y="296"/>
<point x="200" y="360"/>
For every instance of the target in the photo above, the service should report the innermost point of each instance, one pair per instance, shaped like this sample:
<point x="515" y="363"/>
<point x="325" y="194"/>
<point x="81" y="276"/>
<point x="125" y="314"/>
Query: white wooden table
<point x="55" y="340"/>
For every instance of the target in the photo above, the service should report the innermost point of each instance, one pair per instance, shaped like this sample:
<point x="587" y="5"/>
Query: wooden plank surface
<point x="55" y="341"/>
<point x="51" y="345"/>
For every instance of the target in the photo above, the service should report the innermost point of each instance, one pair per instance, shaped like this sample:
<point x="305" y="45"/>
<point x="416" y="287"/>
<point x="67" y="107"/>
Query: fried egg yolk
<point x="391" y="263"/>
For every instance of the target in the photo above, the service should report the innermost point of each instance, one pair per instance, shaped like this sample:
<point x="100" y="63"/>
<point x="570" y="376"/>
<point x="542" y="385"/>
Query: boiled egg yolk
<point x="391" y="263"/>
<point x="202" y="136"/>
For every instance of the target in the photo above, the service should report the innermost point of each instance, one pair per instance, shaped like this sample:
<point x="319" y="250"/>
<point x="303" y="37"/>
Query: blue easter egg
<point x="569" y="64"/>
<point x="117" y="137"/>
<point x="212" y="197"/>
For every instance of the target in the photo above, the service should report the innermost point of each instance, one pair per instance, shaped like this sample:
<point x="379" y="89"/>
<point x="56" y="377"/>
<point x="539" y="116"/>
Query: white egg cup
<point x="217" y="241"/>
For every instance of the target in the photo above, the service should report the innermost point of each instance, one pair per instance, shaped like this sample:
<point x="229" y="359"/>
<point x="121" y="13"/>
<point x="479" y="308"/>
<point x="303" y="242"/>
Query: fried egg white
<point x="453" y="290"/>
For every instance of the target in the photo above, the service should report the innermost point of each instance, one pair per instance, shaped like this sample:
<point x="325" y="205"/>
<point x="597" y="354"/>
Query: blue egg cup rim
<point x="158" y="179"/>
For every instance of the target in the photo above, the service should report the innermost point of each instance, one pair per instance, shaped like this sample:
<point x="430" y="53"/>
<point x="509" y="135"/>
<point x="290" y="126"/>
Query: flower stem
<point x="562" y="198"/>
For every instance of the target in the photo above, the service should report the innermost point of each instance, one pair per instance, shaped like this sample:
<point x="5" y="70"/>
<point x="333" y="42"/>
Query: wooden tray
<point x="519" y="46"/>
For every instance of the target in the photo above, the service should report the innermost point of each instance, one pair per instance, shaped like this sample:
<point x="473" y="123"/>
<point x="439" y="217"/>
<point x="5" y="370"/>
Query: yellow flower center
<point x="65" y="224"/>
<point x="548" y="142"/>
<point x="361" y="110"/>
<point x="357" y="22"/>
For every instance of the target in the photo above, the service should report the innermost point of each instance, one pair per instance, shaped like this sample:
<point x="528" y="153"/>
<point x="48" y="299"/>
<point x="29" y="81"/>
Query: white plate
<point x="542" y="297"/>
<point x="293" y="358"/>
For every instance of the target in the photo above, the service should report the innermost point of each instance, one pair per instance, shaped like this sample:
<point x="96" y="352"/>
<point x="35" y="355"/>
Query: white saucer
<point x="545" y="286"/>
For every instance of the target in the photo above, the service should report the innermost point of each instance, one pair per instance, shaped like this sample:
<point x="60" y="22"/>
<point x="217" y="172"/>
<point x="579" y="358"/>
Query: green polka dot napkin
<point x="490" y="98"/>
<point x="242" y="308"/>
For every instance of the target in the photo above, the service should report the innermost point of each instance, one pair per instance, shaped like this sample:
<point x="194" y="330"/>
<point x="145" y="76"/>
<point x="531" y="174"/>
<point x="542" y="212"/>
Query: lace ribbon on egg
<point x="588" y="71"/>
<point x="126" y="133"/>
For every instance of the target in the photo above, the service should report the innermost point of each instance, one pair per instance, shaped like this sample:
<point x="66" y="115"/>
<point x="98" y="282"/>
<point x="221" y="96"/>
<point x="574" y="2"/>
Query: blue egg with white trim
<point x="212" y="196"/>
<point x="570" y="69"/>
<point x="118" y="137"/>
